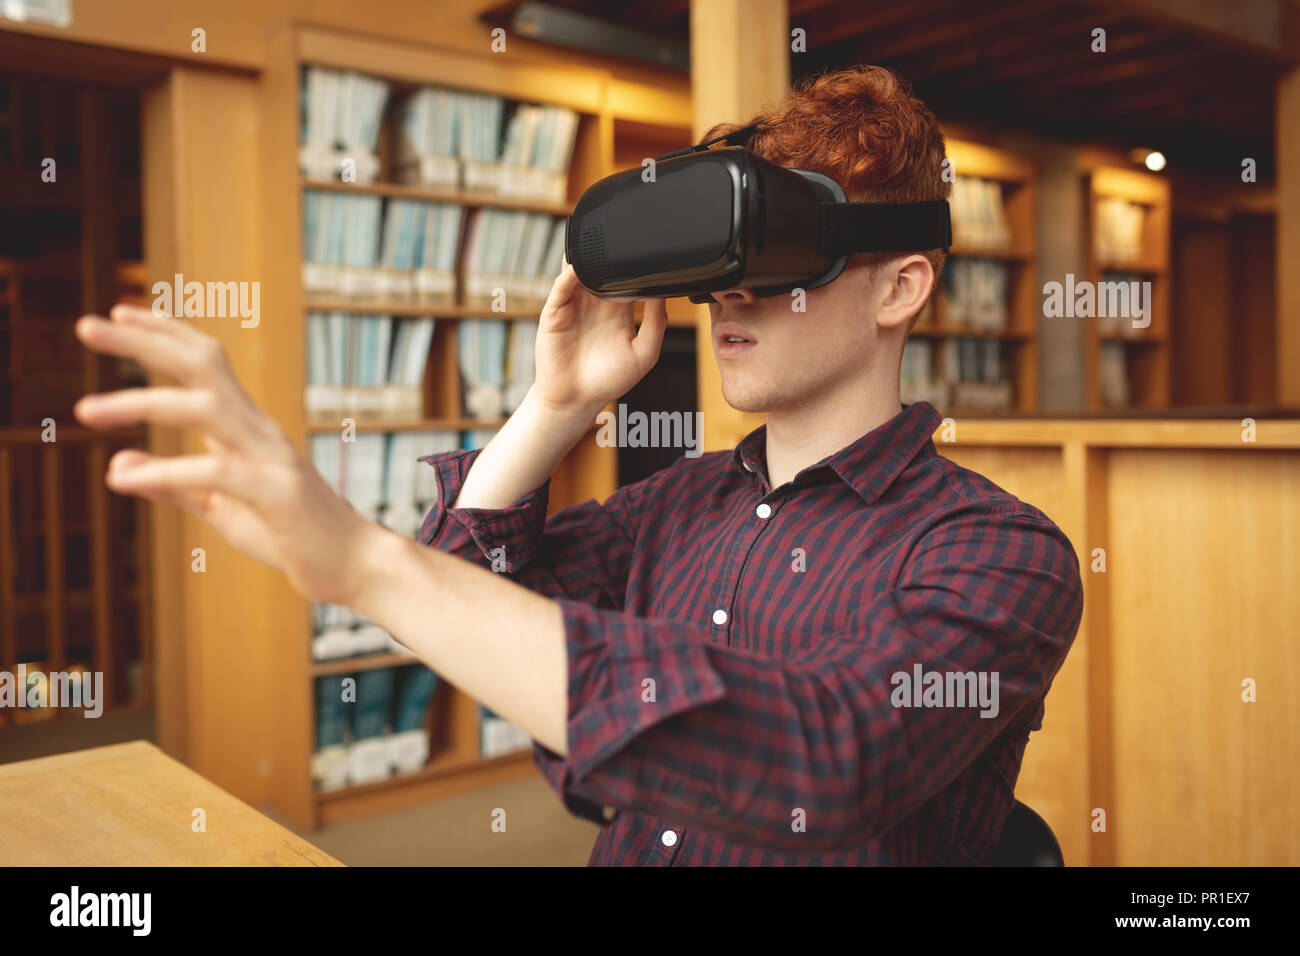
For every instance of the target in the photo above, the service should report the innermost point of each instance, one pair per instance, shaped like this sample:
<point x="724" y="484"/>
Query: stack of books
<point x="973" y="294"/>
<point x="1118" y="233"/>
<point x="365" y="365"/>
<point x="917" y="381"/>
<point x="976" y="374"/>
<point x="341" y="116"/>
<point x="979" y="217"/>
<point x="361" y="247"/>
<point x="341" y="245"/>
<point x="418" y="253"/>
<point x="497" y="365"/>
<point x="371" y="724"/>
<point x="511" y="258"/>
<point x="479" y="143"/>
<point x="1112" y="374"/>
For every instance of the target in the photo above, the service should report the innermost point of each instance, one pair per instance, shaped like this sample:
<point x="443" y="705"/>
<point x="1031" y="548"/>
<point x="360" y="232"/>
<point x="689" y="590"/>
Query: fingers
<point x="146" y="319"/>
<point x="192" y="357"/>
<point x="181" y="407"/>
<point x="222" y="408"/>
<point x="191" y="500"/>
<point x="185" y="477"/>
<point x="650" y="337"/>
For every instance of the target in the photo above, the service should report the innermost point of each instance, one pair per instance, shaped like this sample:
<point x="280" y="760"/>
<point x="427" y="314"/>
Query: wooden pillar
<point x="740" y="62"/>
<point x="217" y="629"/>
<point x="1288" y="239"/>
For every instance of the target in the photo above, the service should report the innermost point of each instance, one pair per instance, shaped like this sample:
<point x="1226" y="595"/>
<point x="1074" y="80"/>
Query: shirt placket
<point x="761" y="509"/>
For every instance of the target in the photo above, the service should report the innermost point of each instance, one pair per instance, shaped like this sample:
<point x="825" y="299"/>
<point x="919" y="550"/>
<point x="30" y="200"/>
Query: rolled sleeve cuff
<point x="625" y="676"/>
<point x="517" y="528"/>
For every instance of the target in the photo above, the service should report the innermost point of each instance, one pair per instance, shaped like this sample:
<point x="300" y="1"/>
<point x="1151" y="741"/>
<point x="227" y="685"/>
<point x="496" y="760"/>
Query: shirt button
<point x="764" y="510"/>
<point x="669" y="838"/>
<point x="719" y="617"/>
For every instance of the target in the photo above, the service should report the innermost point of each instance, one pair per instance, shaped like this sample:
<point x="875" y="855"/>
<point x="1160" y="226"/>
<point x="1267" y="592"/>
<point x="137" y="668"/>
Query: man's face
<point x="789" y="358"/>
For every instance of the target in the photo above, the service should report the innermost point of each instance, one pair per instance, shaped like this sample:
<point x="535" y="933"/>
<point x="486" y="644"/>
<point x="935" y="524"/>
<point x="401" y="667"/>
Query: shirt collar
<point x="870" y="464"/>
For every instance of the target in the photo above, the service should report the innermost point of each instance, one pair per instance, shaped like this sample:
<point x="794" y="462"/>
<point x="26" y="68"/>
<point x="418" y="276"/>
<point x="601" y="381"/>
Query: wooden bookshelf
<point x="470" y="200"/>
<point x="1018" y="179"/>
<point x="74" y="568"/>
<point x="1146" y="351"/>
<point x="588" y="472"/>
<point x="396" y="308"/>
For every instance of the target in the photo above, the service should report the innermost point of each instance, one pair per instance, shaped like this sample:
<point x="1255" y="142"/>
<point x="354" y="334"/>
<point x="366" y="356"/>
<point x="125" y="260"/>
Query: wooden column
<point x="217" y="630"/>
<point x="1288" y="239"/>
<point x="740" y="62"/>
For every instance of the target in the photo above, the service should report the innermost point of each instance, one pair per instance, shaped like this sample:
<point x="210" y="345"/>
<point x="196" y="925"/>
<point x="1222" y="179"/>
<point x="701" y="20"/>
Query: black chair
<point x="1026" y="840"/>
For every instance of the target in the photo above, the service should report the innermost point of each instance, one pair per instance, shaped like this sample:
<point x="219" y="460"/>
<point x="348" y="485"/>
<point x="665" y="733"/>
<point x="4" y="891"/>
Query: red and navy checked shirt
<point x="736" y="651"/>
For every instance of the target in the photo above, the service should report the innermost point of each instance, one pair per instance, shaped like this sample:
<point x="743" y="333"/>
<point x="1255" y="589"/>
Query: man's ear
<point x="906" y="283"/>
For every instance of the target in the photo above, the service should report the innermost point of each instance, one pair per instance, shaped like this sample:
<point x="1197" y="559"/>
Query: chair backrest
<point x="1026" y="840"/>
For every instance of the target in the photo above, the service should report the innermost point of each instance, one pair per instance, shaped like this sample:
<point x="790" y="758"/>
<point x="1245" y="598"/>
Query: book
<point x="408" y="745"/>
<point x="1112" y="374"/>
<point x="974" y="292"/>
<point x="976" y="375"/>
<point x="521" y="363"/>
<point x="368" y="755"/>
<point x="1118" y="229"/>
<point x="366" y="365"/>
<point x="329" y="762"/>
<point x="481" y="348"/>
<point x="978" y="213"/>
<point x="511" y="257"/>
<point x="341" y="115"/>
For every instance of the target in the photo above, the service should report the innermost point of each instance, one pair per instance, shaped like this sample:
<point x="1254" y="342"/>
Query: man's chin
<point x="747" y="400"/>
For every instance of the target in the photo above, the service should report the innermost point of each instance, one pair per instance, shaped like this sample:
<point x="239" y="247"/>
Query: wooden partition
<point x="1188" y="537"/>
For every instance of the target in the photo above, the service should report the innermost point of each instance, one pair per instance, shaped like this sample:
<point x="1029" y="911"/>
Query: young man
<point x="826" y="646"/>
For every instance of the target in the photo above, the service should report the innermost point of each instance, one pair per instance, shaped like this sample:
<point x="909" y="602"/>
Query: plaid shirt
<point x="738" y="655"/>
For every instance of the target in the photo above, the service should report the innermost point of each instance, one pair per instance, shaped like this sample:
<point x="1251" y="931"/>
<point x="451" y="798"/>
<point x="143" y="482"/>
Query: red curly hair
<point x="862" y="127"/>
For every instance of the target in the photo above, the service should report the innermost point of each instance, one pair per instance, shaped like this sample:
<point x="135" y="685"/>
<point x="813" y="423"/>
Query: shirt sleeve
<point x="666" y="722"/>
<point x="582" y="552"/>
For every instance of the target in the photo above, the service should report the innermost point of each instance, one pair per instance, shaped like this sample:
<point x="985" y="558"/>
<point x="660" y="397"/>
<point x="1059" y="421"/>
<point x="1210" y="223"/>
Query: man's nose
<point x="735" y="297"/>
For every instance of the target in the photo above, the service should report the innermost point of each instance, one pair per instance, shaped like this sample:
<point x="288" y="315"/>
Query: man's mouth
<point x="732" y="339"/>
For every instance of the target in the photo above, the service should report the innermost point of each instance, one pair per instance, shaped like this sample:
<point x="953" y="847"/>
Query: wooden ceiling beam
<point x="1264" y="27"/>
<point x="1012" y="68"/>
<point x="831" y="26"/>
<point x="964" y="29"/>
<point x="1001" y="63"/>
<point x="1102" y="73"/>
<point x="1169" y="95"/>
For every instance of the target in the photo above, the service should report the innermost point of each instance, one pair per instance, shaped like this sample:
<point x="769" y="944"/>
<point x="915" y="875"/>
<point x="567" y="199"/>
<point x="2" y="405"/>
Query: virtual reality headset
<point x="725" y="218"/>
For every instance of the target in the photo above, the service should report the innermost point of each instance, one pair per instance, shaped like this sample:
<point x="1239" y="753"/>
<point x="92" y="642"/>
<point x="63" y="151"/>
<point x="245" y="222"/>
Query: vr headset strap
<point x="885" y="226"/>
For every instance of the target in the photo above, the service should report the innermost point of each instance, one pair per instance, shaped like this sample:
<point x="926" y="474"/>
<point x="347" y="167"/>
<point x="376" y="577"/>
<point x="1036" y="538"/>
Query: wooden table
<point x="132" y="805"/>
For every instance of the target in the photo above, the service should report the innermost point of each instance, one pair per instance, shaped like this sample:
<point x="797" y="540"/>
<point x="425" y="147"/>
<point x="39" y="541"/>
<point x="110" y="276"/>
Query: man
<point x="826" y="646"/>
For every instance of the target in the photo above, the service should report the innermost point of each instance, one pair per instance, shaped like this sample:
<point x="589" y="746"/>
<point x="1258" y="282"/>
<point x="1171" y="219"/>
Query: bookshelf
<point x="602" y="138"/>
<point x="74" y="562"/>
<point x="1128" y="241"/>
<point x="974" y="350"/>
